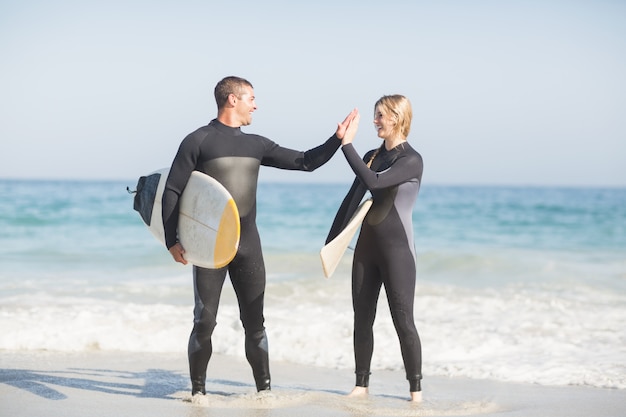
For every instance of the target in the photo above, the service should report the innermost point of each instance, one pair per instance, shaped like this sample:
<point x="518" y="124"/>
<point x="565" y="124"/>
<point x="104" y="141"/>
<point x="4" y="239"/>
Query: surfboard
<point x="332" y="252"/>
<point x="208" y="221"/>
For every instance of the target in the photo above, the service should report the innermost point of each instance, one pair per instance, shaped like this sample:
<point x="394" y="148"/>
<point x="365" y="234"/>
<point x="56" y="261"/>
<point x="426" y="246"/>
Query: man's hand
<point x="177" y="252"/>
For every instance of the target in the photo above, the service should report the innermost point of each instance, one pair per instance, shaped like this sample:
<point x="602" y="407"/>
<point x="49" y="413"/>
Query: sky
<point x="512" y="92"/>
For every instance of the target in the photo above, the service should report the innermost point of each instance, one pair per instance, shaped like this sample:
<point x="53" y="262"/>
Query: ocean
<point x="523" y="284"/>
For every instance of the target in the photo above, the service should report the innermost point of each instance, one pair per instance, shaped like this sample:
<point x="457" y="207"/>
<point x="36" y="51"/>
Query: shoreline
<point x="148" y="384"/>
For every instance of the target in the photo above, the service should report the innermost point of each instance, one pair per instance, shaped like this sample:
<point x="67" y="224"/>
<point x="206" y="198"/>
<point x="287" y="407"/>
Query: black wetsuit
<point x="233" y="158"/>
<point x="385" y="251"/>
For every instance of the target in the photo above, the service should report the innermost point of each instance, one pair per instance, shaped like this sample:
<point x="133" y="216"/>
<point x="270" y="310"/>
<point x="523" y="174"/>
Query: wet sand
<point x="146" y="384"/>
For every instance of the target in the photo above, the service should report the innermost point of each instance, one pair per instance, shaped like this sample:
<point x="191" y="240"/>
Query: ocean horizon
<point x="514" y="283"/>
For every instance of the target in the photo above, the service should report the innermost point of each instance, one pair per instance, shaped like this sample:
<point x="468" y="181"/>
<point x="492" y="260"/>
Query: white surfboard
<point x="208" y="221"/>
<point x="332" y="252"/>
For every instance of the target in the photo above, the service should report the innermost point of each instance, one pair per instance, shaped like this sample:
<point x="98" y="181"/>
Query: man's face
<point x="245" y="105"/>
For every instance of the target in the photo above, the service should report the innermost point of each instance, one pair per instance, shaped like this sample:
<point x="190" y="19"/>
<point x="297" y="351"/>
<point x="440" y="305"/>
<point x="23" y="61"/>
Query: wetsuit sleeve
<point x="278" y="157"/>
<point x="183" y="165"/>
<point x="405" y="168"/>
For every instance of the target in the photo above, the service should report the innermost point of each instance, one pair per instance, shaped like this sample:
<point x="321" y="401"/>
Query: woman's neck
<point x="391" y="143"/>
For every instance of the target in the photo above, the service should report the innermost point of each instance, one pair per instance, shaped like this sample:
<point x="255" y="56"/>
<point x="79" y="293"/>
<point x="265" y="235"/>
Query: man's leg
<point x="247" y="274"/>
<point x="207" y="285"/>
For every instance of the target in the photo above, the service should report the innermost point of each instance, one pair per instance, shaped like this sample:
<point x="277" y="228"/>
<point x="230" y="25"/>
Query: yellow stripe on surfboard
<point x="226" y="240"/>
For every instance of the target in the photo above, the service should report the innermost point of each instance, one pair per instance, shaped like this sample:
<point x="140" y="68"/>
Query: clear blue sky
<point x="503" y="92"/>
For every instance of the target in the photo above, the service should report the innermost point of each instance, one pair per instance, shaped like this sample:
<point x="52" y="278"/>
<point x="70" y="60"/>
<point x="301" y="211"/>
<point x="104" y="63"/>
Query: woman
<point x="385" y="251"/>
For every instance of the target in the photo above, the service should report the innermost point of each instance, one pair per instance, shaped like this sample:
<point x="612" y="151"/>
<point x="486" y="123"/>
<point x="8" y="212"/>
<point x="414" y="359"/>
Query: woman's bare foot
<point x="358" y="392"/>
<point x="416" y="396"/>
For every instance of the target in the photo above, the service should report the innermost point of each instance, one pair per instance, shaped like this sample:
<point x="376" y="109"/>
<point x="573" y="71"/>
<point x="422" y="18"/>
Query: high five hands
<point x="347" y="129"/>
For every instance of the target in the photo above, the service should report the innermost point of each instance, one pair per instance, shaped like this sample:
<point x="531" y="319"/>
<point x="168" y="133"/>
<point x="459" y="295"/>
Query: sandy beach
<point x="133" y="384"/>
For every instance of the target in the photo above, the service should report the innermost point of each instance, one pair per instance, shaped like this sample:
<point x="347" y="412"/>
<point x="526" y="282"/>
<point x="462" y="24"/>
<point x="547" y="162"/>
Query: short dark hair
<point x="227" y="86"/>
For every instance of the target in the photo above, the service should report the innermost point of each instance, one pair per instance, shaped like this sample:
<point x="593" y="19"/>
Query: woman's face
<point x="383" y="123"/>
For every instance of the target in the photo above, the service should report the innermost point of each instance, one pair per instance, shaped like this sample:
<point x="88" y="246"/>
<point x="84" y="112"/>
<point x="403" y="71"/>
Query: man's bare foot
<point x="199" y="398"/>
<point x="358" y="392"/>
<point x="416" y="396"/>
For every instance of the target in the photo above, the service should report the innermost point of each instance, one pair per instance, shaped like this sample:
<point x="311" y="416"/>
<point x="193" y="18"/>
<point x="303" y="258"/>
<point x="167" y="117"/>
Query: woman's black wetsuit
<point x="233" y="158"/>
<point x="385" y="252"/>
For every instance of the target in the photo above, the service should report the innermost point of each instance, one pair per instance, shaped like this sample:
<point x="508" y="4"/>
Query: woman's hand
<point x="341" y="127"/>
<point x="351" y="129"/>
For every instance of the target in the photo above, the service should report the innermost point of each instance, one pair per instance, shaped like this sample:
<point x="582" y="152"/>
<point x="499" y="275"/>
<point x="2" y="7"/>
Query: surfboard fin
<point x="144" y="196"/>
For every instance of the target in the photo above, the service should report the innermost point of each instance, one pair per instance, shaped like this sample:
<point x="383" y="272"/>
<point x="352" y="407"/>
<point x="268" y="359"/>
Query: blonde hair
<point x="398" y="108"/>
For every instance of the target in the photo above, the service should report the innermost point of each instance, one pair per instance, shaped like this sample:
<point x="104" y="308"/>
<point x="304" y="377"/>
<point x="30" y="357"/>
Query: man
<point x="222" y="151"/>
